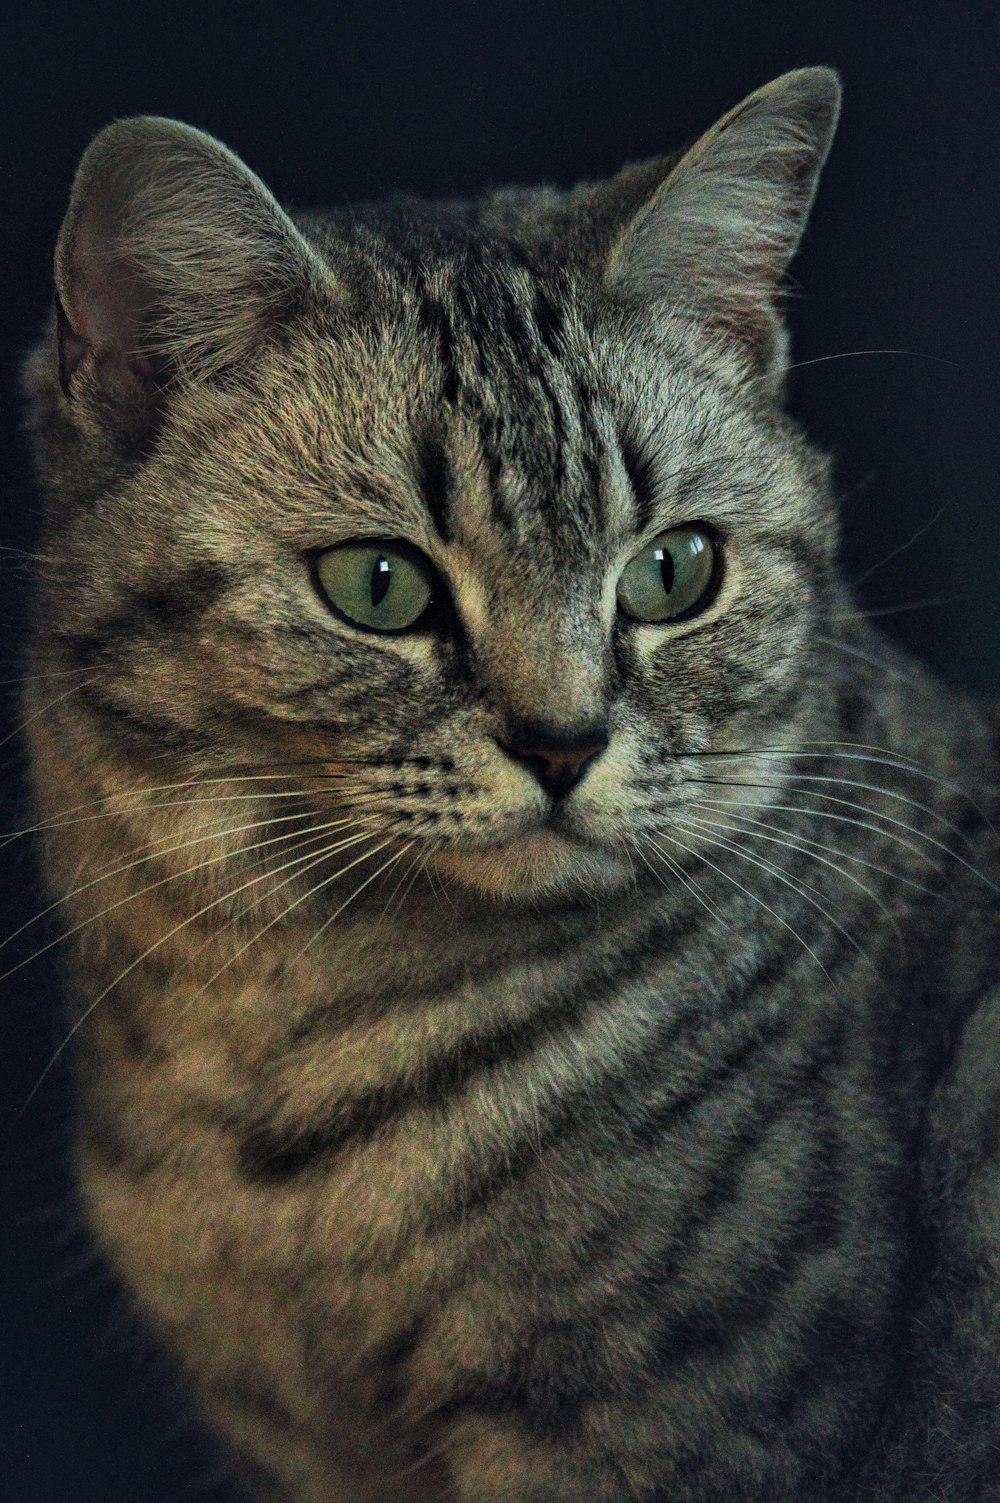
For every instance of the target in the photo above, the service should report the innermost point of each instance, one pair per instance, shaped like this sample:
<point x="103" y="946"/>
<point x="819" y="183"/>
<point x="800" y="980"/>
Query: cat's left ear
<point x="716" y="237"/>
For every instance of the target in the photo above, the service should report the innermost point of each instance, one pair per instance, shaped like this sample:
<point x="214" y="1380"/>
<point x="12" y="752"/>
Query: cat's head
<point x="480" y="520"/>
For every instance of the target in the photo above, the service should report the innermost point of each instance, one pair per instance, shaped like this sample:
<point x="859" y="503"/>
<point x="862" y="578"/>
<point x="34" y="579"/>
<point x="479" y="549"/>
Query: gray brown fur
<point x="657" y="1162"/>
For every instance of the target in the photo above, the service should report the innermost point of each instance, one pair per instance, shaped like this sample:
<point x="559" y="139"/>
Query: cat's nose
<point x="557" y="759"/>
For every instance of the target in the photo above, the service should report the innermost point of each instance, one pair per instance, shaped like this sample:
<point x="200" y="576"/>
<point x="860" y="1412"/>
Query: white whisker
<point x="151" y="949"/>
<point x="728" y="876"/>
<point x="853" y="804"/>
<point x="805" y="842"/>
<point x="802" y="888"/>
<point x="806" y="848"/>
<point x="139" y="795"/>
<point x="828" y="814"/>
<point x="356" y="893"/>
<point x="151" y="887"/>
<point x="289" y="908"/>
<point x="157" y="853"/>
<point x="879" y="756"/>
<point x="678" y="871"/>
<point x="44" y="709"/>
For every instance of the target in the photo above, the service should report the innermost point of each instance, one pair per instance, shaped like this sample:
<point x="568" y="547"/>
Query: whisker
<point x="883" y="665"/>
<point x="929" y="603"/>
<point x="61" y="821"/>
<point x="805" y="843"/>
<point x="678" y="871"/>
<point x="44" y="710"/>
<point x="303" y="843"/>
<point x="411" y="873"/>
<point x="622" y="844"/>
<point x="192" y="918"/>
<point x="143" y="891"/>
<point x="842" y="751"/>
<point x="853" y="354"/>
<point x="436" y="879"/>
<point x="893" y="793"/>
<point x="802" y="888"/>
<point x="902" y="547"/>
<point x="847" y="819"/>
<point x="356" y="893"/>
<point x="728" y="876"/>
<point x="827" y="746"/>
<point x="280" y="917"/>
<point x="32" y="678"/>
<point x="852" y="804"/>
<point x="808" y="849"/>
<point x="160" y="849"/>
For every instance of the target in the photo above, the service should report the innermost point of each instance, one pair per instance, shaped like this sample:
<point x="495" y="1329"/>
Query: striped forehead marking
<point x="502" y="350"/>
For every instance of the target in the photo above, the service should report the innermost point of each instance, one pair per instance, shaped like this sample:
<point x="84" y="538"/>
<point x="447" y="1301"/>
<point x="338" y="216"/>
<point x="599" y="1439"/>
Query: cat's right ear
<point x="173" y="263"/>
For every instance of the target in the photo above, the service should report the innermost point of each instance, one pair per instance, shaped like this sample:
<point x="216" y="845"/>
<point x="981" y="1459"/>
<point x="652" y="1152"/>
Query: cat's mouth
<point x="547" y="855"/>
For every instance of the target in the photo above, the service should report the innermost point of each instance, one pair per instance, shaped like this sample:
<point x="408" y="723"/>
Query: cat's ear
<point x="716" y="237"/>
<point x="172" y="263"/>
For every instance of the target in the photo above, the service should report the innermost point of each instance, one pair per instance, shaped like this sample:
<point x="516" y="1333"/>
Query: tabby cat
<point x="531" y="940"/>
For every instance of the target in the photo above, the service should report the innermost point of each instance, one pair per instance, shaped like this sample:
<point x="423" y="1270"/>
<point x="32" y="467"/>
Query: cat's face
<point x="482" y="553"/>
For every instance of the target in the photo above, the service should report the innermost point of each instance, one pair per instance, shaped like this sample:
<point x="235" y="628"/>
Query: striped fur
<point x="465" y="1143"/>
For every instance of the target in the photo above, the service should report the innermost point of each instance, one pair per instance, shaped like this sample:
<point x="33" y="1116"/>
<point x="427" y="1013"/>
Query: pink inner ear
<point x="105" y="302"/>
<point x="101" y="314"/>
<point x="72" y="346"/>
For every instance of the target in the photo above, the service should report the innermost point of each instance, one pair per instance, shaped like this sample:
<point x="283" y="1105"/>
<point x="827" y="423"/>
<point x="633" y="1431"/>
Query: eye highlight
<point x="380" y="586"/>
<point x="675" y="577"/>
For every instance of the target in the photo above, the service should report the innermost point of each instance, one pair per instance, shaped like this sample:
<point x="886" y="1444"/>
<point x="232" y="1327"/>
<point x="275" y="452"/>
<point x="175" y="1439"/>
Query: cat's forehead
<point x="463" y="400"/>
<point x="471" y="395"/>
<point x="487" y="416"/>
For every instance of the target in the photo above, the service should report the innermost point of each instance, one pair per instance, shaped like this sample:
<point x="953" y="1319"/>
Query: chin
<point x="539" y="864"/>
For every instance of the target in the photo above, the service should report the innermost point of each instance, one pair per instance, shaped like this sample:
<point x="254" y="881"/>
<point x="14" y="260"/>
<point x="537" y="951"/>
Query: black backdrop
<point x="332" y="102"/>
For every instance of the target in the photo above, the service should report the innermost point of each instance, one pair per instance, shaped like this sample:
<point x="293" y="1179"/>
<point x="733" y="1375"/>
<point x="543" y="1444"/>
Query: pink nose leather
<point x="557" y="764"/>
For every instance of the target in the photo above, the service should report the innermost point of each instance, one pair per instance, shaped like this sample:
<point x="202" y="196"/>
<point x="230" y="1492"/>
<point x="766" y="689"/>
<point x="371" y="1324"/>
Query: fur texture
<point x="540" y="1054"/>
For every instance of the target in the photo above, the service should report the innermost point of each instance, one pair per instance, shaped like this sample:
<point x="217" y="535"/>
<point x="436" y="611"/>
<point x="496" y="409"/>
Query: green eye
<point x="673" y="578"/>
<point x="381" y="586"/>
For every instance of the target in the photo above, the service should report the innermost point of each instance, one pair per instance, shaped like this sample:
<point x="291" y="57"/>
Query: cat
<point x="533" y="944"/>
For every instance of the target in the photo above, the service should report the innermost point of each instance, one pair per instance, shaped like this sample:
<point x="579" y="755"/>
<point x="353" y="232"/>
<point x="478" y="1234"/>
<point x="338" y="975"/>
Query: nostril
<point x="557" y="761"/>
<point x="561" y="764"/>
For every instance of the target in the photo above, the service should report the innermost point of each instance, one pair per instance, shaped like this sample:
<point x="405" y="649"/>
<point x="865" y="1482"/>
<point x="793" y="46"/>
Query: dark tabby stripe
<point x="630" y="1123"/>
<point x="641" y="473"/>
<point x="778" y="1093"/>
<point x="622" y="1093"/>
<point x="561" y="1370"/>
<point x="549" y="323"/>
<point x="434" y="317"/>
<point x="264" y="1483"/>
<point x="436" y="484"/>
<point x="101" y="1136"/>
<point x="809" y="558"/>
<point x="269" y="1154"/>
<point x="169" y="605"/>
<point x="135" y="729"/>
<point x="721" y="1322"/>
<point x="247" y="1391"/>
<point x="391" y="1362"/>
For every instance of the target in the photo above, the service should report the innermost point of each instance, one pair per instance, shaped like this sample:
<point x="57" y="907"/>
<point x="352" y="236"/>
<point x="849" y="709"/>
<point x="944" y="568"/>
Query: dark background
<point x="334" y="102"/>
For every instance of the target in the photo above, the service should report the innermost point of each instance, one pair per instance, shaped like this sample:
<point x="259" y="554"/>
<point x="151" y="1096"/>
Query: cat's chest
<point x="368" y="1304"/>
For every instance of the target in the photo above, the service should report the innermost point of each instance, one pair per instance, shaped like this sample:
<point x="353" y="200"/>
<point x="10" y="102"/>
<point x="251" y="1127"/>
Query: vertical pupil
<point x="666" y="569"/>
<point x="380" y="580"/>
